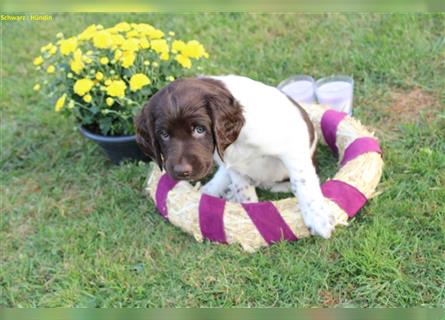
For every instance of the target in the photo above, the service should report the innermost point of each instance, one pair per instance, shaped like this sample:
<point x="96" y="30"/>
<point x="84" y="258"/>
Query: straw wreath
<point x="254" y="225"/>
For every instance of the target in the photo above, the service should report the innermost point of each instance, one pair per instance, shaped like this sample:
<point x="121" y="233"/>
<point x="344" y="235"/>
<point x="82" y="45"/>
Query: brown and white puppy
<point x="257" y="136"/>
<point x="182" y="124"/>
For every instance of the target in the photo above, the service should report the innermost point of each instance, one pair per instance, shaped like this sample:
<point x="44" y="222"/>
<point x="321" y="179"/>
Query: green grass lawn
<point x="78" y="231"/>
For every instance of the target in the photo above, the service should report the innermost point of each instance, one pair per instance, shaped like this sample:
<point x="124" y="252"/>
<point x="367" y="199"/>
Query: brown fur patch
<point x="305" y="116"/>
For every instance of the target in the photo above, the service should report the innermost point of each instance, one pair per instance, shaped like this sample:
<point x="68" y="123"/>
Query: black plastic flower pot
<point x="117" y="148"/>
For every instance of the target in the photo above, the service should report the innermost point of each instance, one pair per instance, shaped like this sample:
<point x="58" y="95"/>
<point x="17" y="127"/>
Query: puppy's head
<point x="183" y="123"/>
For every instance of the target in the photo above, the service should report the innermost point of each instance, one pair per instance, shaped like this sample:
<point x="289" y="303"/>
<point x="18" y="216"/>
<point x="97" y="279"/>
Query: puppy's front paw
<point x="241" y="194"/>
<point x="210" y="189"/>
<point x="319" y="219"/>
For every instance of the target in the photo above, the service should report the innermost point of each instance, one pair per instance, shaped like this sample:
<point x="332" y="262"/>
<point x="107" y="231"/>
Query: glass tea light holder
<point x="336" y="92"/>
<point x="300" y="88"/>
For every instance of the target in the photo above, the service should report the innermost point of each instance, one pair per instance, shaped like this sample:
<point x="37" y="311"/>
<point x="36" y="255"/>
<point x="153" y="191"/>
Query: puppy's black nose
<point x="183" y="170"/>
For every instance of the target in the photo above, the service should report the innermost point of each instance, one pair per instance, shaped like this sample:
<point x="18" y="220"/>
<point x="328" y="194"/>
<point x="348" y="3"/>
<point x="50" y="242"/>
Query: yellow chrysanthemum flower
<point x="116" y="88"/>
<point x="159" y="46"/>
<point x="117" y="54"/>
<point x="127" y="59"/>
<point x="99" y="75"/>
<point x="87" y="98"/>
<point x="155" y="34"/>
<point x="83" y="86"/>
<point x="144" y="28"/>
<point x="193" y="49"/>
<point x="107" y="82"/>
<point x="104" y="60"/>
<point x="77" y="55"/>
<point x="184" y="61"/>
<point x="178" y="46"/>
<point x="170" y="78"/>
<point x="51" y="69"/>
<point x="52" y="50"/>
<point x="76" y="66"/>
<point x="122" y="27"/>
<point x="130" y="45"/>
<point x="46" y="48"/>
<point x="102" y="40"/>
<point x="138" y="81"/>
<point x="60" y="103"/>
<point x="164" y="56"/>
<point x="38" y="61"/>
<point x="109" y="101"/>
<point x="144" y="43"/>
<point x="117" y="39"/>
<point x="132" y="34"/>
<point x="36" y="87"/>
<point x="88" y="33"/>
<point x="67" y="46"/>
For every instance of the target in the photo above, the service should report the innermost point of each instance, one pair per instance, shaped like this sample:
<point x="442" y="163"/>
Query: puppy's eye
<point x="199" y="130"/>
<point x="164" y="135"/>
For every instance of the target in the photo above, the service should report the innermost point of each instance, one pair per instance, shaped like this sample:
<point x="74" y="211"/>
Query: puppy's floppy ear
<point x="145" y="133"/>
<point x="226" y="114"/>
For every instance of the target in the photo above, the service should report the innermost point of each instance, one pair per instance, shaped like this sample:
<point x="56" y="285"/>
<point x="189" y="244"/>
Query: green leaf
<point x="105" y="125"/>
<point x="94" y="109"/>
<point x="87" y="120"/>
